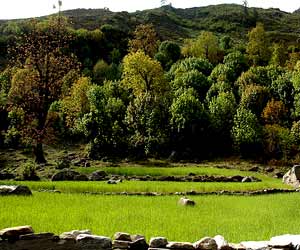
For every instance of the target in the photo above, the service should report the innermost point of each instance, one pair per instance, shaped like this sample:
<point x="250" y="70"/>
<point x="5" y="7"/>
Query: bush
<point x="29" y="172"/>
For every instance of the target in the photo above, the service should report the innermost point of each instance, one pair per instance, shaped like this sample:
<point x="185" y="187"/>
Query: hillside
<point x="177" y="24"/>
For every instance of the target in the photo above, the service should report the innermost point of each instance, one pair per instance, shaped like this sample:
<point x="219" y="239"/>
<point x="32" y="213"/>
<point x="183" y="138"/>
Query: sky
<point x="33" y="8"/>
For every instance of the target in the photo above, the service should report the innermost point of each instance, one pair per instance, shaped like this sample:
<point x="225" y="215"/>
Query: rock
<point x="254" y="169"/>
<point x="93" y="242"/>
<point x="4" y="175"/>
<point x="63" y="163"/>
<point x="139" y="244"/>
<point x="221" y="242"/>
<point x="136" y="237"/>
<point x="180" y="245"/>
<point x="122" y="236"/>
<point x="73" y="234"/>
<point x="98" y="175"/>
<point x="65" y="175"/>
<point x="236" y="178"/>
<point x="206" y="243"/>
<point x="87" y="164"/>
<point x="234" y="246"/>
<point x="279" y="175"/>
<point x="255" y="245"/>
<point x="121" y="244"/>
<point x="36" y="236"/>
<point x="186" y="202"/>
<point x="269" y="169"/>
<point x="250" y="179"/>
<point x="287" y="241"/>
<point x="158" y="242"/>
<point x="14" y="190"/>
<point x="81" y="177"/>
<point x="292" y="177"/>
<point x="113" y="181"/>
<point x="15" y="232"/>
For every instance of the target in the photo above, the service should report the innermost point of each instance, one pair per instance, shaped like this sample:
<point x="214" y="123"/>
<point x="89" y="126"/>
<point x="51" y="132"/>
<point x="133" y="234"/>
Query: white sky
<point x="10" y="9"/>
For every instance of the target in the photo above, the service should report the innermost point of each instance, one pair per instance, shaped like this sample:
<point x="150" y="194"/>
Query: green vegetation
<point x="237" y="218"/>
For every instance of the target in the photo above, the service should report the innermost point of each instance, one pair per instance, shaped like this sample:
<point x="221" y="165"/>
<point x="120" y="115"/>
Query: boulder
<point x="158" y="242"/>
<point x="256" y="245"/>
<point x="121" y="244"/>
<point x="14" y="190"/>
<point x="250" y="179"/>
<point x="4" y="175"/>
<point x="206" y="243"/>
<point x="93" y="242"/>
<point x="136" y="237"/>
<point x="180" y="245"/>
<point x="221" y="242"/>
<point x="254" y="169"/>
<point x="287" y="241"/>
<point x="73" y="234"/>
<point x="186" y="202"/>
<point x="292" y="177"/>
<point x="139" y="244"/>
<point x="98" y="175"/>
<point x="81" y="177"/>
<point x="15" y="232"/>
<point x="122" y="236"/>
<point x="65" y="175"/>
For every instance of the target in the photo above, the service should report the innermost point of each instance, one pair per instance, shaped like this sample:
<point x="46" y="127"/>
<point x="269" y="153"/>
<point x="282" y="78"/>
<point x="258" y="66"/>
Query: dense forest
<point x="166" y="83"/>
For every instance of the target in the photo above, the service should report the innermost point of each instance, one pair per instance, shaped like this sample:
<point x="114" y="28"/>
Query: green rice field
<point x="237" y="218"/>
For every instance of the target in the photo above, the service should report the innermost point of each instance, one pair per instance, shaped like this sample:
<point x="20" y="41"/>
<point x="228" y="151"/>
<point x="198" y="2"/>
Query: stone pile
<point x="24" y="238"/>
<point x="100" y="175"/>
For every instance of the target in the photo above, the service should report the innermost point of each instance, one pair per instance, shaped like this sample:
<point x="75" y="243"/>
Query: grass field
<point x="149" y="186"/>
<point x="235" y="217"/>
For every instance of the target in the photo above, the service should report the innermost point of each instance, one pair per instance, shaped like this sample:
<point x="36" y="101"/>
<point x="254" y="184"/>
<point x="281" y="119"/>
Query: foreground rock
<point x="122" y="236"/>
<point x="93" y="242"/>
<point x="292" y="177"/>
<point x="158" y="242"/>
<point x="286" y="241"/>
<point x="180" y="245"/>
<point x="14" y="190"/>
<point x="15" y="232"/>
<point x="206" y="243"/>
<point x="73" y="234"/>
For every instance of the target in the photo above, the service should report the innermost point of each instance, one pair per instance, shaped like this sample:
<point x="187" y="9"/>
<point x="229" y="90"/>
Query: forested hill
<point x="176" y="24"/>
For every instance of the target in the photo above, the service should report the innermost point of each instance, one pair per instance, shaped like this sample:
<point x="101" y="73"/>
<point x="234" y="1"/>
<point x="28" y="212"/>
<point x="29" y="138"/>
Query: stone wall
<point x="24" y="238"/>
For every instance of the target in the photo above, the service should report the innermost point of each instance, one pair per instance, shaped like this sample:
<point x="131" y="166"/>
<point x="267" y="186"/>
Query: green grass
<point x="236" y="218"/>
<point x="167" y="171"/>
<point x="149" y="186"/>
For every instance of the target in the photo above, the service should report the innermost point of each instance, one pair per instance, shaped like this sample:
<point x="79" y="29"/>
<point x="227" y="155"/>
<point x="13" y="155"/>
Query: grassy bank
<point x="237" y="218"/>
<point x="149" y="186"/>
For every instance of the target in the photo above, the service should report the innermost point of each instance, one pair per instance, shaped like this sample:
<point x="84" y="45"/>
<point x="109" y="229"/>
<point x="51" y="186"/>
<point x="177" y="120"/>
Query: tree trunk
<point x="39" y="153"/>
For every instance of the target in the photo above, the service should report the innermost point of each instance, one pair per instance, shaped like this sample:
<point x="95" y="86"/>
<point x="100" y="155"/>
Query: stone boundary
<point x="24" y="238"/>
<point x="222" y="192"/>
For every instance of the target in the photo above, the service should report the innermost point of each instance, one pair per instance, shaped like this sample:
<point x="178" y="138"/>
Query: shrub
<point x="29" y="172"/>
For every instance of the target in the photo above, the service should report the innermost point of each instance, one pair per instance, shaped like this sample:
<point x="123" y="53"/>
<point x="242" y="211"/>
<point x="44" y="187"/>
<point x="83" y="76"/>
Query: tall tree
<point x="145" y="39"/>
<point x="43" y="61"/>
<point x="258" y="46"/>
<point x="206" y="46"/>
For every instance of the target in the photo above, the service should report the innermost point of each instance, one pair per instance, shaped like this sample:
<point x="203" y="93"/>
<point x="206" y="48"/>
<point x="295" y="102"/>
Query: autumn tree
<point x="43" y="60"/>
<point x="147" y="111"/>
<point x="144" y="39"/>
<point x="258" y="46"/>
<point x="206" y="45"/>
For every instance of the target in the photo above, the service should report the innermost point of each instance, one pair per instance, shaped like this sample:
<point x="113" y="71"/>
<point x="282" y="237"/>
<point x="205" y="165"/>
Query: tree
<point x="42" y="58"/>
<point x="274" y="113"/>
<point x="143" y="74"/>
<point x="279" y="56"/>
<point x="246" y="132"/>
<point x="206" y="46"/>
<point x="145" y="39"/>
<point x="147" y="113"/>
<point x="258" y="46"/>
<point x="168" y="53"/>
